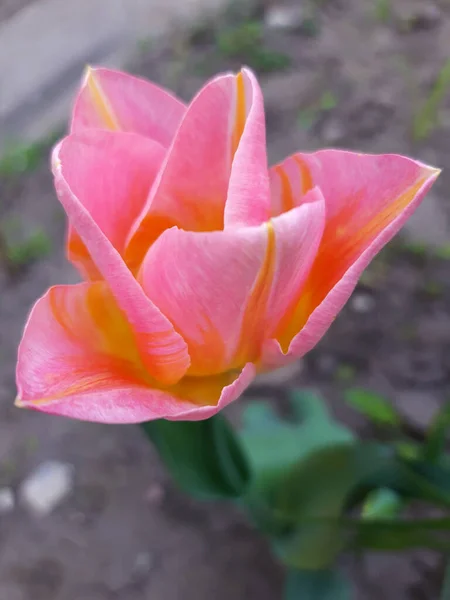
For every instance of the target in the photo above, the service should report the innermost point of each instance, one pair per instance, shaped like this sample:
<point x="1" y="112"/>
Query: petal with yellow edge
<point x="202" y="282"/>
<point x="111" y="174"/>
<point x="368" y="199"/>
<point x="78" y="359"/>
<point x="215" y="173"/>
<point x="117" y="101"/>
<point x="226" y="291"/>
<point x="162" y="349"/>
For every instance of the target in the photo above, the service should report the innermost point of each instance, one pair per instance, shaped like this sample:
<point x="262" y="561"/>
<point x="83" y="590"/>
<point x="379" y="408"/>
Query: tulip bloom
<point x="202" y="266"/>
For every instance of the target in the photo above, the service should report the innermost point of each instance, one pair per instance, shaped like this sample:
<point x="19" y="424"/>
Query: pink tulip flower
<point x="201" y="266"/>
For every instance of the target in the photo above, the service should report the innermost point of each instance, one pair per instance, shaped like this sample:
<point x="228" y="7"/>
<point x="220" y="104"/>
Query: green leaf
<point x="205" y="458"/>
<point x="315" y="494"/>
<point x="328" y="101"/>
<point x="445" y="592"/>
<point x="274" y="445"/>
<point x="382" y="502"/>
<point x="373" y="406"/>
<point x="393" y="535"/>
<point x="424" y="481"/>
<point x="259" y="415"/>
<point x="316" y="585"/>
<point x="437" y="435"/>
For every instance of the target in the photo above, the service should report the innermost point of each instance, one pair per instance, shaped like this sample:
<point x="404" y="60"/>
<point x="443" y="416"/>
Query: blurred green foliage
<point x="245" y="42"/>
<point x="315" y="489"/>
<point x="426" y="118"/>
<point x="373" y="406"/>
<point x="19" y="158"/>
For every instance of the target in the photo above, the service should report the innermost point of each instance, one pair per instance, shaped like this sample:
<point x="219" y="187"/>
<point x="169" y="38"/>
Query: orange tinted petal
<point x="100" y="101"/>
<point x="364" y="194"/>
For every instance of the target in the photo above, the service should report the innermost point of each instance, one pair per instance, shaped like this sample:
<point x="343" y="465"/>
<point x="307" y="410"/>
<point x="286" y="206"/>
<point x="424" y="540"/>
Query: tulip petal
<point x="228" y="394"/>
<point x="298" y="234"/>
<point x="368" y="199"/>
<point x="248" y="199"/>
<point x="111" y="174"/>
<point x="77" y="358"/>
<point x="114" y="100"/>
<point x="215" y="172"/>
<point x="293" y="241"/>
<point x="162" y="350"/>
<point x="202" y="282"/>
<point x="226" y="291"/>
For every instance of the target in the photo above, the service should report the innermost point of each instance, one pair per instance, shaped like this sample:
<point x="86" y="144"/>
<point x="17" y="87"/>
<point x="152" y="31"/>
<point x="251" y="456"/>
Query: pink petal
<point x="215" y="172"/>
<point x="368" y="199"/>
<point x="248" y="199"/>
<point x="202" y="282"/>
<point x="111" y="174"/>
<point x="225" y="292"/>
<point x="229" y="394"/>
<point x="117" y="101"/>
<point x="293" y="241"/>
<point x="125" y="404"/>
<point x="77" y="359"/>
<point x="298" y="234"/>
<point x="163" y="351"/>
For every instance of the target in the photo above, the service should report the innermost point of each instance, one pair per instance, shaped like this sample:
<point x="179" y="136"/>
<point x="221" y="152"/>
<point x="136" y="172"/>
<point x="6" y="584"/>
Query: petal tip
<point x="246" y="70"/>
<point x="88" y="73"/>
<point x="18" y="403"/>
<point x="435" y="172"/>
<point x="55" y="160"/>
<point x="431" y="172"/>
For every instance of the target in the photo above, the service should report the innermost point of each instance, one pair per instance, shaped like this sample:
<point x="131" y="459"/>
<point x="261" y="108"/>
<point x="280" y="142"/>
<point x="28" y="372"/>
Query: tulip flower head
<point x="201" y="265"/>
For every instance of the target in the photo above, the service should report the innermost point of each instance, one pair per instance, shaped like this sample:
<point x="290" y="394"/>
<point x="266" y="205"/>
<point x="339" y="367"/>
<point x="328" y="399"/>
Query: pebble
<point x="155" y="494"/>
<point x="142" y="565"/>
<point x="7" y="500"/>
<point x="332" y="131"/>
<point x="287" y="17"/>
<point x="46" y="487"/>
<point x="362" y="303"/>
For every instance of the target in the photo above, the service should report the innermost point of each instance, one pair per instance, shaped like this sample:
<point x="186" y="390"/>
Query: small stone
<point x="362" y="303"/>
<point x="7" y="501"/>
<point x="332" y="131"/>
<point x="155" y="494"/>
<point x="46" y="487"/>
<point x="285" y="17"/>
<point x="142" y="566"/>
<point x="280" y="376"/>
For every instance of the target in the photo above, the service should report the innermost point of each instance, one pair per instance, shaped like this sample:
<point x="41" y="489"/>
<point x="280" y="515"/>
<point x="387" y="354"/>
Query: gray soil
<point x="8" y="8"/>
<point x="124" y="532"/>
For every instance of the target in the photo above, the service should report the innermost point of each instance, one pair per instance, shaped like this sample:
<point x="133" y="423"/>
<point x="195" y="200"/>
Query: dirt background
<point x="347" y="73"/>
<point x="8" y="8"/>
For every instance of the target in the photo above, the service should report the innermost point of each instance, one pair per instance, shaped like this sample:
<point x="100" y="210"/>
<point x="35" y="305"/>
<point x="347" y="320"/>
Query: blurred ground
<point x="366" y="75"/>
<point x="8" y="8"/>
